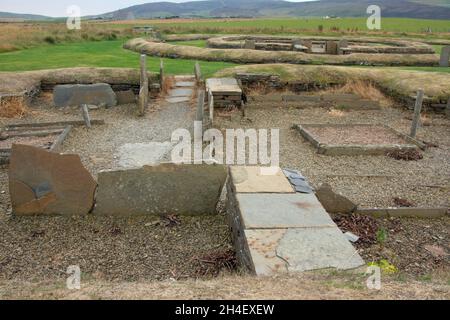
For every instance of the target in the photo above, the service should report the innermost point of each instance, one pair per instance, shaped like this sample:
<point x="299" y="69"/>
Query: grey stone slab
<point x="273" y="211"/>
<point x="125" y="97"/>
<point x="160" y="190"/>
<point x="185" y="84"/>
<point x="78" y="94"/>
<point x="260" y="180"/>
<point x="334" y="202"/>
<point x="445" y="57"/>
<point x="181" y="93"/>
<point x="178" y="99"/>
<point x="317" y="248"/>
<point x="136" y="155"/>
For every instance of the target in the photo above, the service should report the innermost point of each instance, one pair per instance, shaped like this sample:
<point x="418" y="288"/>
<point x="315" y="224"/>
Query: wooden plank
<point x="59" y="142"/>
<point x="86" y="117"/>
<point x="417" y="111"/>
<point x="74" y="123"/>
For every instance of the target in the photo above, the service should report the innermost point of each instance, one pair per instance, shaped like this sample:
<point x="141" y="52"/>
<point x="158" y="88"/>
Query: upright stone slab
<point x="250" y="44"/>
<point x="331" y="47"/>
<point x="72" y="95"/>
<point x="342" y="44"/>
<point x="161" y="190"/>
<point x="445" y="57"/>
<point x="47" y="183"/>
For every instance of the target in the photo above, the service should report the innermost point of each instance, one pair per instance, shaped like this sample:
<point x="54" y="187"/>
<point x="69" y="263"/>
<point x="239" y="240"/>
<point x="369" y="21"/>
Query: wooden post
<point x="86" y="117"/>
<point x="200" y="105"/>
<point x="198" y="72"/>
<point x="211" y="106"/>
<point x="161" y="74"/>
<point x="417" y="111"/>
<point x="143" y="92"/>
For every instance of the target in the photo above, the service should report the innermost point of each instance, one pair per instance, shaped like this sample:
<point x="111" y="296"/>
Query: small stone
<point x="436" y="251"/>
<point x="333" y="202"/>
<point x="351" y="237"/>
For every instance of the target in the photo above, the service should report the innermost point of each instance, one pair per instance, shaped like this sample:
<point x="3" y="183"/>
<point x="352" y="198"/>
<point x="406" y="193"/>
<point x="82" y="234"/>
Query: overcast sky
<point x="88" y="7"/>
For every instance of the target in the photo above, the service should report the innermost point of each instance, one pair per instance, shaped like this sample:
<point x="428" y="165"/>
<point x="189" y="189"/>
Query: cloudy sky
<point x="59" y="8"/>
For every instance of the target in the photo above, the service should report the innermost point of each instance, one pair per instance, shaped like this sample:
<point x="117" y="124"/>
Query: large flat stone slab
<point x="260" y="180"/>
<point x="181" y="93"/>
<point x="185" y="84"/>
<point x="178" y="99"/>
<point x="224" y="86"/>
<point x="298" y="250"/>
<point x="136" y="155"/>
<point x="78" y="94"/>
<point x="47" y="183"/>
<point x="275" y="211"/>
<point x="161" y="190"/>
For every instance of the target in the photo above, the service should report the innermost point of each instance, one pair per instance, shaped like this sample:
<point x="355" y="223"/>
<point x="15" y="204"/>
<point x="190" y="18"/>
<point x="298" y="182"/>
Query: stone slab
<point x="301" y="98"/>
<point x="160" y="190"/>
<point x="185" y="84"/>
<point x="258" y="180"/>
<point x="136" y="155"/>
<point x="333" y="202"/>
<point x="277" y="251"/>
<point x="78" y="94"/>
<point x="125" y="97"/>
<point x="445" y="57"/>
<point x="181" y="93"/>
<point x="275" y="211"/>
<point x="47" y="183"/>
<point x="223" y="86"/>
<point x="178" y="99"/>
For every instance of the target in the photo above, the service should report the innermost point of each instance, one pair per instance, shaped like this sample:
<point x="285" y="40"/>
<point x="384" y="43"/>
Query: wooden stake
<point x="86" y="117"/>
<point x="417" y="111"/>
<point x="200" y="105"/>
<point x="161" y="74"/>
<point x="143" y="92"/>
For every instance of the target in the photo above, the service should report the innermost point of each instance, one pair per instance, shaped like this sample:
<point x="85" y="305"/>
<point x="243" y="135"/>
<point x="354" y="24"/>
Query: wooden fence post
<point x="143" y="93"/>
<point x="200" y="105"/>
<point x="86" y="117"/>
<point x="198" y="72"/>
<point x="161" y="74"/>
<point x="211" y="106"/>
<point x="417" y="111"/>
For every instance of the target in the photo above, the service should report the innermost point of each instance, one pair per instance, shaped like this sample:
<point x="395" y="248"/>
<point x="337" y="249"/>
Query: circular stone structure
<point x="321" y="45"/>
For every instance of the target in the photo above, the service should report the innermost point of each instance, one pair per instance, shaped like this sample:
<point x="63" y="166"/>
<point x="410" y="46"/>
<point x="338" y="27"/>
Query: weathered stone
<point x="178" y="99"/>
<point x="436" y="251"/>
<point x="250" y="44"/>
<point x="445" y="57"/>
<point x="160" y="190"/>
<point x="181" y="93"/>
<point x="333" y="202"/>
<point x="43" y="182"/>
<point x="301" y="98"/>
<point x="331" y="47"/>
<point x="256" y="180"/>
<point x="125" y="97"/>
<point x="78" y="94"/>
<point x="136" y="155"/>
<point x="185" y="84"/>
<point x="275" y="211"/>
<point x="297" y="250"/>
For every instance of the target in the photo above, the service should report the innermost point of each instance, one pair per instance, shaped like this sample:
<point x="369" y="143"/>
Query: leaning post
<point x="143" y="92"/>
<point x="417" y="111"/>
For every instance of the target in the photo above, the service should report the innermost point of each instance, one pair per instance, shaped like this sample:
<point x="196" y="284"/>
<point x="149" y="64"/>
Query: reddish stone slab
<point x="47" y="183"/>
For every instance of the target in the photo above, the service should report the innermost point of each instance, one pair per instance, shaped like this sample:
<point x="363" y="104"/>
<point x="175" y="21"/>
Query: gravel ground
<point x="369" y="181"/>
<point x="355" y="135"/>
<point x="106" y="248"/>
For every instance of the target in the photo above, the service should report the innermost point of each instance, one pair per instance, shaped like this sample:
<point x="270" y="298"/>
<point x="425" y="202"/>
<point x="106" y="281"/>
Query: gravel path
<point x="370" y="181"/>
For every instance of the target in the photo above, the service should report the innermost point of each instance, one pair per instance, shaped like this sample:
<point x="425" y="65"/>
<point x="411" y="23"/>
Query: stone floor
<point x="287" y="231"/>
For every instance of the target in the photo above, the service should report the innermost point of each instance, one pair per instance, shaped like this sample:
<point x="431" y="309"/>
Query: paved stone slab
<point x="298" y="250"/>
<point x="78" y="94"/>
<point x="136" y="155"/>
<point x="181" y="93"/>
<point x="317" y="248"/>
<point x="275" y="211"/>
<point x="47" y="183"/>
<point x="161" y="190"/>
<point x="185" y="84"/>
<point x="178" y="99"/>
<point x="257" y="180"/>
<point x="445" y="57"/>
<point x="223" y="86"/>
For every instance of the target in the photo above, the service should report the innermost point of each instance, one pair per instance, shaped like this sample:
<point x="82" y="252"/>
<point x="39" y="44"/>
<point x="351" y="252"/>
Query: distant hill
<point x="424" y="9"/>
<point x="19" y="16"/>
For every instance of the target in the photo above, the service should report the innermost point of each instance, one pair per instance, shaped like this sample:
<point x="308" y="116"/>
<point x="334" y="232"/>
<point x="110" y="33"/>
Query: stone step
<point x="276" y="230"/>
<point x="185" y="92"/>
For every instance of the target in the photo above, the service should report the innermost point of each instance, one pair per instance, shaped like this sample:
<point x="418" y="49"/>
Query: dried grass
<point x="13" y="107"/>
<point x="366" y="90"/>
<point x="168" y="84"/>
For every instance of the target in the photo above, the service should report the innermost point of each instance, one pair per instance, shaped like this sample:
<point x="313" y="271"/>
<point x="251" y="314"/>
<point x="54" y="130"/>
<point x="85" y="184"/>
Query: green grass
<point x="278" y="25"/>
<point x="95" y="54"/>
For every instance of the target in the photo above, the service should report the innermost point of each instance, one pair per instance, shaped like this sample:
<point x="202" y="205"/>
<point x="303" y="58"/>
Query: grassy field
<point x="289" y="25"/>
<point x="95" y="54"/>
